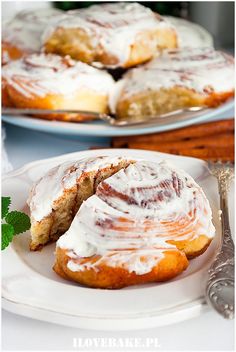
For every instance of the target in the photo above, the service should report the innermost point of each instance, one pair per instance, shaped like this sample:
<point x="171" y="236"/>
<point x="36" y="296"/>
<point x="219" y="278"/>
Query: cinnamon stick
<point x="218" y="141"/>
<point x="196" y="131"/>
<point x="209" y="141"/>
<point x="224" y="154"/>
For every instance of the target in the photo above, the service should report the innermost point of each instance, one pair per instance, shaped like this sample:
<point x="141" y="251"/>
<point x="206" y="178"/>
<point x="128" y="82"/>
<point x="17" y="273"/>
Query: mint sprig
<point x="7" y="235"/>
<point x="6" y="201"/>
<point x="15" y="222"/>
<point x="20" y="221"/>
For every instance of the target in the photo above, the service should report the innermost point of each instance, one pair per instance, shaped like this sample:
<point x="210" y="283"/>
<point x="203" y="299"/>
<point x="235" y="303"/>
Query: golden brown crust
<point x="11" y="52"/>
<point x="84" y="100"/>
<point x="166" y="100"/>
<point x="142" y="50"/>
<point x="216" y="99"/>
<point x="193" y="248"/>
<point x="103" y="276"/>
<point x="173" y="263"/>
<point x="71" y="41"/>
<point x="6" y="101"/>
<point x="78" y="44"/>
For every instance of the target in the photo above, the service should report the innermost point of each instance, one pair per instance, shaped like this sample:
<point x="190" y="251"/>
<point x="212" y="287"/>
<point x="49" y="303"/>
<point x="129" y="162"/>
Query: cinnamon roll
<point x="124" y="222"/>
<point x="52" y="82"/>
<point x="177" y="79"/>
<point x="142" y="225"/>
<point x="112" y="35"/>
<point x="57" y="196"/>
<point x="22" y="34"/>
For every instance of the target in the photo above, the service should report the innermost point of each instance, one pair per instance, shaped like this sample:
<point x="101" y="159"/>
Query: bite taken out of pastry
<point x="46" y="81"/>
<point x="110" y="35"/>
<point x="141" y="225"/>
<point x="178" y="79"/>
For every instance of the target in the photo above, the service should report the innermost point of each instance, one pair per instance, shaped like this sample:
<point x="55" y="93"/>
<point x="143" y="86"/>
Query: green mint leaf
<point x="7" y="235"/>
<point x="6" y="201"/>
<point x="20" y="221"/>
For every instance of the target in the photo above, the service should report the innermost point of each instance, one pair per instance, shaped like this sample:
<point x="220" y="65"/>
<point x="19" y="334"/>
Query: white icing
<point x="189" y="34"/>
<point x="5" y="57"/>
<point x="112" y="26"/>
<point x="202" y="70"/>
<point x="25" y="29"/>
<point x="146" y="205"/>
<point x="53" y="184"/>
<point x="40" y="74"/>
<point x="115" y="94"/>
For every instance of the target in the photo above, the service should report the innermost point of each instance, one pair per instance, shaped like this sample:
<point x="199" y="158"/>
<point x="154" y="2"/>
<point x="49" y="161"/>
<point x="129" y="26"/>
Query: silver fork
<point x="170" y="117"/>
<point x="220" y="283"/>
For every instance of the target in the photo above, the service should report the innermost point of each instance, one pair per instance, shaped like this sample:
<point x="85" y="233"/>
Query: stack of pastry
<point x="125" y="222"/>
<point x="110" y="36"/>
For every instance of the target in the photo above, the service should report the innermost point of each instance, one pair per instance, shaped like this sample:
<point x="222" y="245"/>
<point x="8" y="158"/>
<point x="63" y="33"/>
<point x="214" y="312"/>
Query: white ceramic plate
<point x="100" y="128"/>
<point x="31" y="288"/>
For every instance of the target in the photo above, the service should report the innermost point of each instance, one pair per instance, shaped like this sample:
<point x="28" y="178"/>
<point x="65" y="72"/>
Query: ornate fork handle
<point x="220" y="284"/>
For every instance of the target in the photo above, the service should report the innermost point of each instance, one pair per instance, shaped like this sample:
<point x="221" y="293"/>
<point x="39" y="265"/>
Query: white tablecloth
<point x="208" y="332"/>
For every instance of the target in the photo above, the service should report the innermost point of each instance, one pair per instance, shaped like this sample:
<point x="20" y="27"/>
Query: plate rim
<point x="82" y="129"/>
<point x="170" y="316"/>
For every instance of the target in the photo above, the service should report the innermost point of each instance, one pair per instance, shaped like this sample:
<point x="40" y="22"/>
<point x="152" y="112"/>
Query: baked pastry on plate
<point x="127" y="222"/>
<point x="47" y="81"/>
<point x="177" y="79"/>
<point x="22" y="34"/>
<point x="142" y="225"/>
<point x="57" y="196"/>
<point x="113" y="35"/>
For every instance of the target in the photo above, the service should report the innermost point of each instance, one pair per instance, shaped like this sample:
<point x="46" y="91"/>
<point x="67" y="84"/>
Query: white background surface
<point x="208" y="332"/>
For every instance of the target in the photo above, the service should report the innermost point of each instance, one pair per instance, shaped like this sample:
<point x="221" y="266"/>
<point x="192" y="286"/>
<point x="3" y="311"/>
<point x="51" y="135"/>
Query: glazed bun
<point x="142" y="225"/>
<point x="175" y="80"/>
<point x="110" y="35"/>
<point x="47" y="81"/>
<point x="22" y="34"/>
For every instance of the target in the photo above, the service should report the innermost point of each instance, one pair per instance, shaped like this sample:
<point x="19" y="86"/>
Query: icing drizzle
<point x="25" y="29"/>
<point x="189" y="34"/>
<point x="112" y="26"/>
<point x="51" y="186"/>
<point x="132" y="216"/>
<point x="202" y="70"/>
<point x="41" y="74"/>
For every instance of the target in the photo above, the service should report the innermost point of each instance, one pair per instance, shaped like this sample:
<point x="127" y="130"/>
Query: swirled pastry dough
<point x="139" y="217"/>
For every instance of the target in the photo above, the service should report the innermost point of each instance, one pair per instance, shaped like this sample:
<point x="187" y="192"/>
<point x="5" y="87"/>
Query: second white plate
<point x="100" y="128"/>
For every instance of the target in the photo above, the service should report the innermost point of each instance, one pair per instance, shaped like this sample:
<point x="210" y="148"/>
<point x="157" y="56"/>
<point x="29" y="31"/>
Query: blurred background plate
<point x="99" y="128"/>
